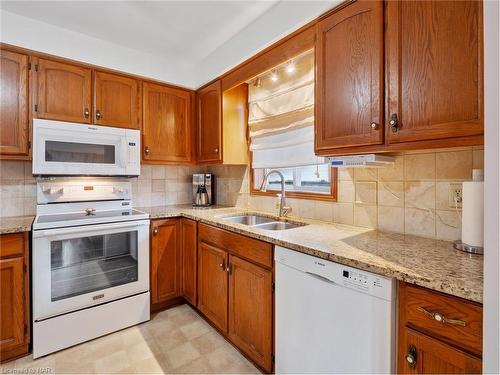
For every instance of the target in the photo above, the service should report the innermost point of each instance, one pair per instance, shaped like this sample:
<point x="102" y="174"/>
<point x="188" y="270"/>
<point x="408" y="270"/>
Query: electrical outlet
<point x="455" y="193"/>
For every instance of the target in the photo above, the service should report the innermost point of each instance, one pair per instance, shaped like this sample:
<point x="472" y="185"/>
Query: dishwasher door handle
<point x="321" y="278"/>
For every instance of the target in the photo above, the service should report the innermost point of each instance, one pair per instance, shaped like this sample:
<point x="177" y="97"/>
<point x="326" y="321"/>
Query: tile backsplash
<point x="409" y="197"/>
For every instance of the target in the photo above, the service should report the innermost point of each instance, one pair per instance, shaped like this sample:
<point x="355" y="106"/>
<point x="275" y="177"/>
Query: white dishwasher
<point x="332" y="318"/>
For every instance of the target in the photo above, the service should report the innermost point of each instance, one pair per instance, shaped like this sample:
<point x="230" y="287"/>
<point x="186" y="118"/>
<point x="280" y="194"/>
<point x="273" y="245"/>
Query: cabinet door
<point x="63" y="91"/>
<point x="165" y="260"/>
<point x="117" y="100"/>
<point x="14" y="119"/>
<point x="251" y="310"/>
<point x="167" y="130"/>
<point x="431" y="356"/>
<point x="434" y="69"/>
<point x="12" y="303"/>
<point x="189" y="259"/>
<point x="349" y="77"/>
<point x="212" y="284"/>
<point x="209" y="123"/>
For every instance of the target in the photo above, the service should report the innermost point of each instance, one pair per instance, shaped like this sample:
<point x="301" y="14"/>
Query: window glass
<point x="308" y="179"/>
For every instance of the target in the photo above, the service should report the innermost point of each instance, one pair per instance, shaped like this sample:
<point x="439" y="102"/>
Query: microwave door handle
<point x="82" y="229"/>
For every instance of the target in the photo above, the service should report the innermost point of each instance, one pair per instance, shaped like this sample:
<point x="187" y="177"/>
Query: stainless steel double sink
<point x="262" y="222"/>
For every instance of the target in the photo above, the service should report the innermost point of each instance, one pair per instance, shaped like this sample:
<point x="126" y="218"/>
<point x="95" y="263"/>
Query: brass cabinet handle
<point x="228" y="268"/>
<point x="146" y="150"/>
<point x="411" y="357"/>
<point x="155" y="231"/>
<point x="216" y="150"/>
<point x="98" y="114"/>
<point x="374" y="125"/>
<point x="394" y="122"/>
<point x="438" y="317"/>
<point x="86" y="113"/>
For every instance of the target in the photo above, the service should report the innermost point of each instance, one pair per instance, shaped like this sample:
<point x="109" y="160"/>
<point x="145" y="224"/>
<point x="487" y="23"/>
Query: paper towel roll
<point x="472" y="213"/>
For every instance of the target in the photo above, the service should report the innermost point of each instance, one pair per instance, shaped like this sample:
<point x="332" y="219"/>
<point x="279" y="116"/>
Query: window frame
<point x="332" y="196"/>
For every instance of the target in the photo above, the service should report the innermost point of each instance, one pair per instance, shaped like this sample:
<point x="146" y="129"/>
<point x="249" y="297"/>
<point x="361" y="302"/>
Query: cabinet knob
<point x="86" y="113"/>
<point x="374" y="125"/>
<point x="98" y="114"/>
<point x="228" y="268"/>
<point x="146" y="150"/>
<point x="411" y="357"/>
<point x="155" y="231"/>
<point x="216" y="150"/>
<point x="394" y="122"/>
<point x="221" y="265"/>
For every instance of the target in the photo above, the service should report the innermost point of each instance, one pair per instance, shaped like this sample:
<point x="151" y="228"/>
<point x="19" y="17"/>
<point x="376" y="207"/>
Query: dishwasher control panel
<point x="335" y="273"/>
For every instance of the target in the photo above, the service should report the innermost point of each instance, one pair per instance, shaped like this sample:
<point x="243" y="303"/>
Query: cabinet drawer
<point x="453" y="320"/>
<point x="245" y="247"/>
<point x="12" y="244"/>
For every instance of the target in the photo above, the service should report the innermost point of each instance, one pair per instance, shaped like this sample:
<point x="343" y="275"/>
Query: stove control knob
<point x="118" y="190"/>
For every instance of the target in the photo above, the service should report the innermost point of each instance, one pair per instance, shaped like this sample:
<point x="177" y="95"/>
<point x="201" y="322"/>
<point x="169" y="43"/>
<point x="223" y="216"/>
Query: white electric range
<point x="90" y="263"/>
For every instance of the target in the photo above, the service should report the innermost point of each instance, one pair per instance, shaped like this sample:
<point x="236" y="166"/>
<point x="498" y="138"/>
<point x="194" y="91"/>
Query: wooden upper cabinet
<point x="14" y="118"/>
<point x="349" y="77"/>
<point x="209" y="123"/>
<point x="251" y="310"/>
<point x="165" y="260"/>
<point x="167" y="127"/>
<point x="63" y="91"/>
<point x="117" y="100"/>
<point x="189" y="259"/>
<point x="434" y="69"/>
<point x="213" y="284"/>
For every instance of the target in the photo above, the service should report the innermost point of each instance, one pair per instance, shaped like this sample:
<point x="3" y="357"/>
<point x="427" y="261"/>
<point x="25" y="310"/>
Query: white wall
<point x="277" y="22"/>
<point x="42" y="37"/>
<point x="491" y="347"/>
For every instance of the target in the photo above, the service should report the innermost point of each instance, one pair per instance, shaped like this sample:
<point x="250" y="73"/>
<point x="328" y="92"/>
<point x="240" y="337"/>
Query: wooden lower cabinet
<point x="438" y="333"/>
<point x="189" y="245"/>
<point x="431" y="356"/>
<point x="165" y="260"/>
<point x="236" y="293"/>
<point x="212" y="284"/>
<point x="14" y="296"/>
<point x="251" y="310"/>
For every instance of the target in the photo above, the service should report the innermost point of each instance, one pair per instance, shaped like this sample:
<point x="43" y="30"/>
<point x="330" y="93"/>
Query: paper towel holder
<point x="476" y="250"/>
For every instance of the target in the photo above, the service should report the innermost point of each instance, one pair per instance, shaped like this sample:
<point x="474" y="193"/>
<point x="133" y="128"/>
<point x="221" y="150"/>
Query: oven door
<point x="61" y="148"/>
<point x="78" y="267"/>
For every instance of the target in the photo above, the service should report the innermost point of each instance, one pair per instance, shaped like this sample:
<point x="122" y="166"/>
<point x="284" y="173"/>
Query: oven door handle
<point x="88" y="228"/>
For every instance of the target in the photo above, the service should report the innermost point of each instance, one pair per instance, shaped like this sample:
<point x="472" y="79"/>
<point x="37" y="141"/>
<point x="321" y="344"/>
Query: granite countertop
<point x="426" y="262"/>
<point x="16" y="224"/>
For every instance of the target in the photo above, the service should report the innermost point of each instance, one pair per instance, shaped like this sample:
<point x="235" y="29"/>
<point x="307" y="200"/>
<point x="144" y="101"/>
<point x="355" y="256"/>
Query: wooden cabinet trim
<point x="189" y="269"/>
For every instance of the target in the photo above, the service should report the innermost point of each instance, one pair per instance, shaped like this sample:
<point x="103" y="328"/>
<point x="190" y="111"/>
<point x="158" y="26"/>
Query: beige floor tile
<point x="208" y="342"/>
<point x="158" y="346"/>
<point x="117" y="362"/>
<point x="182" y="355"/>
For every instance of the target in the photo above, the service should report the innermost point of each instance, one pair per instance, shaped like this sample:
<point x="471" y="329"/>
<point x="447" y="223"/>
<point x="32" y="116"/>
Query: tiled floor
<point x="174" y="341"/>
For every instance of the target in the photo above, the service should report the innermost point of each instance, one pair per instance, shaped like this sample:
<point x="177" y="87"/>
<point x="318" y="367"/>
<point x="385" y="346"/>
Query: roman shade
<point x="281" y="116"/>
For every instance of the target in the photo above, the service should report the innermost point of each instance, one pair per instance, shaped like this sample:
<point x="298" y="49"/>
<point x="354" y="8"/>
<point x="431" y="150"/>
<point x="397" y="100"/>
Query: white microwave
<point x="69" y="149"/>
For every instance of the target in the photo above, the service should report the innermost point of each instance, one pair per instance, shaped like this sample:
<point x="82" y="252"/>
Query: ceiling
<point x="186" y="30"/>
